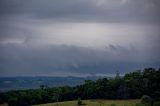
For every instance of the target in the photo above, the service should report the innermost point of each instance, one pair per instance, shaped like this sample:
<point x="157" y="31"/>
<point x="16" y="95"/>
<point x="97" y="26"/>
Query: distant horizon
<point x="81" y="75"/>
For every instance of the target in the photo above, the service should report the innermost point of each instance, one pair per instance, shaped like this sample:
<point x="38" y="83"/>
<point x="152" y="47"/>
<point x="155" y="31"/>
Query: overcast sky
<point x="78" y="37"/>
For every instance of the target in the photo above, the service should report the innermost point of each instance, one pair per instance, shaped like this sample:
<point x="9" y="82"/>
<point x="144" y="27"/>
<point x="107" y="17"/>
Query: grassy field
<point x="95" y="103"/>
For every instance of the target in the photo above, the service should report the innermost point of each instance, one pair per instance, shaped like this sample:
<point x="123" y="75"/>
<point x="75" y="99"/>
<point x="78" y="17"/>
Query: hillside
<point x="20" y="83"/>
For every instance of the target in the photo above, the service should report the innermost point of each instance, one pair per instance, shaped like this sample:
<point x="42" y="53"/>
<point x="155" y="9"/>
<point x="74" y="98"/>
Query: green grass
<point x="95" y="103"/>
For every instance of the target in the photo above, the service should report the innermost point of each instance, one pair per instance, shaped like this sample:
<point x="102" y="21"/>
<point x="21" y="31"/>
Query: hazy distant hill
<point x="16" y="83"/>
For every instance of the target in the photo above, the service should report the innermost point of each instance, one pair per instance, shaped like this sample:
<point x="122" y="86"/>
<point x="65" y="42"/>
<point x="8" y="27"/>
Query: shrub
<point x="12" y="102"/>
<point x="140" y="104"/>
<point x="146" y="99"/>
<point x="156" y="96"/>
<point x="113" y="105"/>
<point x="156" y="104"/>
<point x="79" y="101"/>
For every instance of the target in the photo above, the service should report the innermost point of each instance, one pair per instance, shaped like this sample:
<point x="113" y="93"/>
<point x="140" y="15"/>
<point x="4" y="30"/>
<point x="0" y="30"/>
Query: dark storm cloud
<point x="31" y="60"/>
<point x="83" y="10"/>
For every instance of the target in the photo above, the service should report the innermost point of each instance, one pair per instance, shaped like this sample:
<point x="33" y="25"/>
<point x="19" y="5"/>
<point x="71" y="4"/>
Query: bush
<point x="156" y="104"/>
<point x="140" y="104"/>
<point x="79" y="101"/>
<point x="113" y="105"/>
<point x="146" y="99"/>
<point x="12" y="102"/>
<point x="156" y="96"/>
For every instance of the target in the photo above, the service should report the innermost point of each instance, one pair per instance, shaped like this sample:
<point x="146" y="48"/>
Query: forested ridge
<point x="132" y="85"/>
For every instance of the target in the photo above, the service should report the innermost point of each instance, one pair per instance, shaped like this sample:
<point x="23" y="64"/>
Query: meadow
<point x="130" y="102"/>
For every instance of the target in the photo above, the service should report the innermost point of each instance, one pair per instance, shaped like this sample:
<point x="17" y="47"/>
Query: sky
<point x="78" y="37"/>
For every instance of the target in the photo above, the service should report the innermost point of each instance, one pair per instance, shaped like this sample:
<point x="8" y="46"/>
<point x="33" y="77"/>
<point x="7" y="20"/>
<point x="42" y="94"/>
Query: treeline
<point x="131" y="86"/>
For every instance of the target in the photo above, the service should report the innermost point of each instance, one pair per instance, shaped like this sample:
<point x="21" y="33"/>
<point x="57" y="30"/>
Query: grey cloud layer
<point x="45" y="37"/>
<point x="84" y="10"/>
